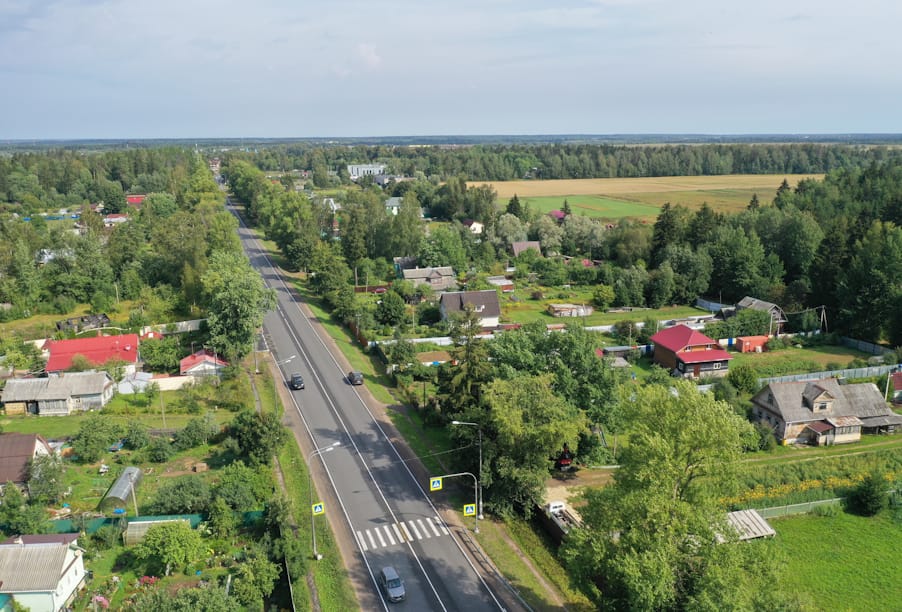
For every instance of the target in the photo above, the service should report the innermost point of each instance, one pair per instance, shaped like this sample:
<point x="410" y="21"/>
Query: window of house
<point x="717" y="365"/>
<point x="820" y="406"/>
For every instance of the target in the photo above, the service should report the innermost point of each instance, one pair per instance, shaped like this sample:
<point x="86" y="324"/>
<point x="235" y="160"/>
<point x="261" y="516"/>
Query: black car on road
<point x="355" y="378"/>
<point x="296" y="381"/>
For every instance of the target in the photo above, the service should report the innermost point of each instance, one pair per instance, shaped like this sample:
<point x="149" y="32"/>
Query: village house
<point x="16" y="452"/>
<point x="59" y="395"/>
<point x="569" y="310"/>
<point x="97" y="350"/>
<point x="778" y="317"/>
<point x="687" y="353"/>
<point x="439" y="279"/>
<point x="202" y="363"/>
<point x="475" y="227"/>
<point x="520" y="247"/>
<point x="41" y="573"/>
<point x="484" y="303"/>
<point x="505" y="284"/>
<point x="821" y="412"/>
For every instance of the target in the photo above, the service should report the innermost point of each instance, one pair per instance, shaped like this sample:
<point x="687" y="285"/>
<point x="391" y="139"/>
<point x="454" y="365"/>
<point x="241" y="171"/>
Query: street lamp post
<point x="278" y="364"/>
<point x="314" y="453"/>
<point x="479" y="429"/>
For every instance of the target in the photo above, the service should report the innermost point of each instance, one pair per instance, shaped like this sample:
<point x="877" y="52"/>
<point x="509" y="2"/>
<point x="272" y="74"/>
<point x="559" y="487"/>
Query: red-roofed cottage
<point x="202" y="363"/>
<point x="689" y="353"/>
<point x="135" y="201"/>
<point x="98" y="350"/>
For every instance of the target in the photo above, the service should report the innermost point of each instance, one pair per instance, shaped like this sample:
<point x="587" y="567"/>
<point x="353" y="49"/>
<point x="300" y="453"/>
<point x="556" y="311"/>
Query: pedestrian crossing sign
<point x="469" y="509"/>
<point x="318" y="508"/>
<point x="435" y="484"/>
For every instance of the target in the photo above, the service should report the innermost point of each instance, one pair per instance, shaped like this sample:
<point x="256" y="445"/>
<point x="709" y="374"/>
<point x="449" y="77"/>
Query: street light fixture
<point x="315" y="452"/>
<point x="479" y="429"/>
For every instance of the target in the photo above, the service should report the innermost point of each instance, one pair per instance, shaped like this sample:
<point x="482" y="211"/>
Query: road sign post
<point x="318" y="508"/>
<point x="435" y="484"/>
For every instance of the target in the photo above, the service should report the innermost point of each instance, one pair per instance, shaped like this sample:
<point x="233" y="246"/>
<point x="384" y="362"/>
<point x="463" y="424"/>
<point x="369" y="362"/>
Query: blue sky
<point x="273" y="68"/>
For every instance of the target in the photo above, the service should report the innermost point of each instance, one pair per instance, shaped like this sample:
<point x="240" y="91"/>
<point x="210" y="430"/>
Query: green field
<point x="595" y="206"/>
<point x="843" y="562"/>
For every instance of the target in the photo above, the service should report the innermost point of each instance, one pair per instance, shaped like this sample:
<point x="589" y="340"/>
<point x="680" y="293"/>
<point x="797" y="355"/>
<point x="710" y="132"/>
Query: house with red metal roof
<point x="98" y="350"/>
<point x="202" y="363"/>
<point x="688" y="353"/>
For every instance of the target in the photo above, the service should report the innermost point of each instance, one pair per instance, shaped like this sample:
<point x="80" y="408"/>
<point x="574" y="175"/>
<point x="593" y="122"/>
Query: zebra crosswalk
<point x="400" y="532"/>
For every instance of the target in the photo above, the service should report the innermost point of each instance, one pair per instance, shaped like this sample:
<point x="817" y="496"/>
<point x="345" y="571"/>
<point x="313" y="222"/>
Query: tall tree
<point x="236" y="300"/>
<point x="657" y="538"/>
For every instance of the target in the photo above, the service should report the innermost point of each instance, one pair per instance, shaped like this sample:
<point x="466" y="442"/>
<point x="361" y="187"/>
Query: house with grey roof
<point x="522" y="246"/>
<point x="59" y="395"/>
<point x="821" y="412"/>
<point x="439" y="279"/>
<point x="484" y="303"/>
<point x="393" y="205"/>
<point x="778" y="317"/>
<point x="41" y="573"/>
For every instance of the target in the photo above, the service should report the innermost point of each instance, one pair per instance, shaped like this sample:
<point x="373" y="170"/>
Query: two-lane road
<point x="387" y="512"/>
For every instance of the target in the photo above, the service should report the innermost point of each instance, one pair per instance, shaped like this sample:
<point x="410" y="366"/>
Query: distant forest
<point x="502" y="162"/>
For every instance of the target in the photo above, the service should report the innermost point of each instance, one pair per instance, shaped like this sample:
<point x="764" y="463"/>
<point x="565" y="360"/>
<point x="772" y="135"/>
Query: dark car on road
<point x="355" y="378"/>
<point x="392" y="584"/>
<point x="296" y="381"/>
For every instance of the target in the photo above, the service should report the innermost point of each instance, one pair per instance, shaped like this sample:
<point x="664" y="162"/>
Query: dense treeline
<point x="65" y="179"/>
<point x="569" y="161"/>
<point x="178" y="254"/>
<point x="834" y="244"/>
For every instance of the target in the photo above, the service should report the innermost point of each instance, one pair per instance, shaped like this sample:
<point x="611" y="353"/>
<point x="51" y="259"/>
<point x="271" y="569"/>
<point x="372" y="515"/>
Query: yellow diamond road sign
<point x="435" y="484"/>
<point x="318" y="508"/>
<point x="469" y="509"/>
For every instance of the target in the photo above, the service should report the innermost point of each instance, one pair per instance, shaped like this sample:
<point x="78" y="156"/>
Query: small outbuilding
<point x="750" y="525"/>
<point x="752" y="344"/>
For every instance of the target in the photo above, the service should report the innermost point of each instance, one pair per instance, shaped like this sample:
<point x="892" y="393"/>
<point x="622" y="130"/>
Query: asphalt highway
<point x="386" y="511"/>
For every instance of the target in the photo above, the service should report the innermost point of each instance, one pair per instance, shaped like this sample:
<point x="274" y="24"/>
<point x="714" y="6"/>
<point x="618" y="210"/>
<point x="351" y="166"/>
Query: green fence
<point x="91" y="526"/>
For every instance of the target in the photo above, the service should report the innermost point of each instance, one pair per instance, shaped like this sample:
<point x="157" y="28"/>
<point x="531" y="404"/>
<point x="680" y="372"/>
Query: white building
<point x="358" y="170"/>
<point x="42" y="573"/>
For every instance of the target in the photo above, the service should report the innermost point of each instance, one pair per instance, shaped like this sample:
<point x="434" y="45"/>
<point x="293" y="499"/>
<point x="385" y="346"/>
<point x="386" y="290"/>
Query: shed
<point x="120" y="493"/>
<point x="752" y="344"/>
<point x="750" y="525"/>
<point x="569" y="310"/>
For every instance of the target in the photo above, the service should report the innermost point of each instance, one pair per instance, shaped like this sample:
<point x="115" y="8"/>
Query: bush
<point x="869" y="497"/>
<point x="159" y="450"/>
<point x="744" y="378"/>
<point x="766" y="439"/>
<point x="826" y="510"/>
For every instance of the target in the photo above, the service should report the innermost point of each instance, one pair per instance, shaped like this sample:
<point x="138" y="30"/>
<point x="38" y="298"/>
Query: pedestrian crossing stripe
<point x="400" y="532"/>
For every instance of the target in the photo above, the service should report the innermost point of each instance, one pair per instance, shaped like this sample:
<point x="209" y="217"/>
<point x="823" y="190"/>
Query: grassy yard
<point x="797" y="360"/>
<point x="843" y="562"/>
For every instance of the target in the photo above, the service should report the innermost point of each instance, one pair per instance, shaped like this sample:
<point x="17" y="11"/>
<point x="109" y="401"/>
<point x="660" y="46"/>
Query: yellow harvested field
<point x="766" y="183"/>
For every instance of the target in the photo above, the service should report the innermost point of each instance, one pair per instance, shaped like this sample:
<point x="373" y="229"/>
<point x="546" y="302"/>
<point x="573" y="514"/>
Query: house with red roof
<point x="688" y="353"/>
<point x="98" y="350"/>
<point x="135" y="201"/>
<point x="202" y="363"/>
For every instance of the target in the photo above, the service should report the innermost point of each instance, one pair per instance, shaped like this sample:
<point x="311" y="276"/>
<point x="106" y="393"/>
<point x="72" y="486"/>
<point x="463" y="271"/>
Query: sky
<point x="343" y="68"/>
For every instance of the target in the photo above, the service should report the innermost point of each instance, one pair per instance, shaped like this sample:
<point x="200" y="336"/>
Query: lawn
<point x="797" y="360"/>
<point x="641" y="198"/>
<point x="843" y="562"/>
<point x="595" y="206"/>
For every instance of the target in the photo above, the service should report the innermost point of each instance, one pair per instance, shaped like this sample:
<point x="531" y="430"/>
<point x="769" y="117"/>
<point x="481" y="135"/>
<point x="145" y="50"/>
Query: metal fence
<point x="802" y="508"/>
<point x="866" y="372"/>
<point x="864" y="347"/>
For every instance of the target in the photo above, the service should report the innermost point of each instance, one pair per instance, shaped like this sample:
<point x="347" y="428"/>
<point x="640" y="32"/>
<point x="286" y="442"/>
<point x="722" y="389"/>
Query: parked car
<point x="392" y="584"/>
<point x="355" y="378"/>
<point x="296" y="381"/>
